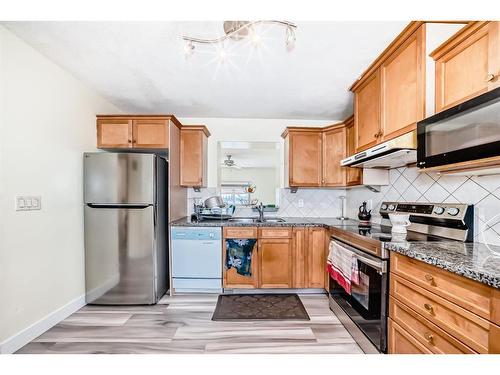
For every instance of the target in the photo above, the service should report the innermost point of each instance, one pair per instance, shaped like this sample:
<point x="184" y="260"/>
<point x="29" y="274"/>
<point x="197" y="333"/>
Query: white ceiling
<point x="141" y="67"/>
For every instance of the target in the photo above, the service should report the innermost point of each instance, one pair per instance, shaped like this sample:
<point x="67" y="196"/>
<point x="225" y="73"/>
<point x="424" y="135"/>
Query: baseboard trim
<point x="30" y="333"/>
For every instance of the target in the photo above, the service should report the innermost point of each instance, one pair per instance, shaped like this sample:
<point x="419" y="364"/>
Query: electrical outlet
<point x="28" y="203"/>
<point x="301" y="203"/>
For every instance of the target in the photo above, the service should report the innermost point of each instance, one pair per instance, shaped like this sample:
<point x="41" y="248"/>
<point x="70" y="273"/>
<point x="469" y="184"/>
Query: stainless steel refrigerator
<point x="126" y="252"/>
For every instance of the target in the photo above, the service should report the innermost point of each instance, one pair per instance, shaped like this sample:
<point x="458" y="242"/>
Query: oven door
<point x="367" y="303"/>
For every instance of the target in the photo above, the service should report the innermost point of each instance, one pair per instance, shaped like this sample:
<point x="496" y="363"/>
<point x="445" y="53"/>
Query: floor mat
<point x="260" y="307"/>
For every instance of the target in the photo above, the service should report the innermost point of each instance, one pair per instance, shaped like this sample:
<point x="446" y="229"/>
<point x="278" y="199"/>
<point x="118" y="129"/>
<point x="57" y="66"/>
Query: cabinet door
<point x="367" y="113"/>
<point x="114" y="133"/>
<point x="150" y="133"/>
<point x="231" y="279"/>
<point x="305" y="158"/>
<point x="401" y="342"/>
<point x="275" y="263"/>
<point x="300" y="245"/>
<point x="353" y="175"/>
<point x="193" y="166"/>
<point x="334" y="150"/>
<point x="316" y="258"/>
<point x="469" y="69"/>
<point x="403" y="92"/>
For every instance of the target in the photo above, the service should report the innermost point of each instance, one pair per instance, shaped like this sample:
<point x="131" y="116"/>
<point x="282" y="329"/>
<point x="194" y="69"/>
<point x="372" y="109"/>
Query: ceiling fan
<point x="230" y="163"/>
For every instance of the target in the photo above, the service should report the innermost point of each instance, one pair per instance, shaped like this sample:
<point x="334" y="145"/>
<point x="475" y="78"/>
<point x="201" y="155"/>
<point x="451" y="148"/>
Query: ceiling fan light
<point x="290" y="38"/>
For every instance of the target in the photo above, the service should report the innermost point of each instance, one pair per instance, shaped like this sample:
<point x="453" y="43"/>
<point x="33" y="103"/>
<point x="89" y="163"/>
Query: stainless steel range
<point x="366" y="306"/>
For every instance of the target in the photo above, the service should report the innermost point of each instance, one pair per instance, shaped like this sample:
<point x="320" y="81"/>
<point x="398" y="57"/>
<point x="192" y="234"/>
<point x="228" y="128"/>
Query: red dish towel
<point x="342" y="265"/>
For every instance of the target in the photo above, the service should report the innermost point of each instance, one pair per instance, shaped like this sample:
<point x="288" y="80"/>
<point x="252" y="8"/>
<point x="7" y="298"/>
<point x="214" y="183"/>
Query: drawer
<point x="471" y="295"/>
<point x="465" y="326"/>
<point x="401" y="342"/>
<point x="275" y="232"/>
<point x="240" y="232"/>
<point x="429" y="335"/>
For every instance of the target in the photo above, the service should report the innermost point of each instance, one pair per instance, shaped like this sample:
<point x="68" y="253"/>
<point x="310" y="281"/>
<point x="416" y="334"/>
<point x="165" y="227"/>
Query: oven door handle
<point x="379" y="265"/>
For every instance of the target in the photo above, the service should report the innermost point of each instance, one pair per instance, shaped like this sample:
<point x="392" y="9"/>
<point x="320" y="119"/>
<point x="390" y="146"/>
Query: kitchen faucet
<point x="260" y="208"/>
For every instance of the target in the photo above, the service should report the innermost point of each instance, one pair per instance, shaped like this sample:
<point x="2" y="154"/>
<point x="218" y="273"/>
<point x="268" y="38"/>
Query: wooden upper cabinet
<point x="468" y="64"/>
<point x="134" y="131"/>
<point x="193" y="149"/>
<point x="402" y="79"/>
<point x="150" y="133"/>
<point x="304" y="157"/>
<point x="334" y="150"/>
<point x="367" y="112"/>
<point x="354" y="176"/>
<point x="114" y="133"/>
<point x="275" y="263"/>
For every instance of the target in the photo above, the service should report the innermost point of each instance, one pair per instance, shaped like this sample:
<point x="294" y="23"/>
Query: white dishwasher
<point x="196" y="259"/>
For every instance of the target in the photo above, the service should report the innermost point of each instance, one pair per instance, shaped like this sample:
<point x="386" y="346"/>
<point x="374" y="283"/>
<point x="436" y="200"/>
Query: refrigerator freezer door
<point x="119" y="178"/>
<point x="119" y="255"/>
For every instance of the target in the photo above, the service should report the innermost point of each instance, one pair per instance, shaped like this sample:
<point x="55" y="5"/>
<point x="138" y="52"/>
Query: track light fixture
<point x="238" y="30"/>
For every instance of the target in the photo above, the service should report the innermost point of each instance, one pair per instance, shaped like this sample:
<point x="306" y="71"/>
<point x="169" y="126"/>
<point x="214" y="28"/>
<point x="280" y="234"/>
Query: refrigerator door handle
<point x="127" y="206"/>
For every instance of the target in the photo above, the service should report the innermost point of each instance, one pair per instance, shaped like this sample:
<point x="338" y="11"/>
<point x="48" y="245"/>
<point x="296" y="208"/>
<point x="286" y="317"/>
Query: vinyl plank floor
<point x="183" y="324"/>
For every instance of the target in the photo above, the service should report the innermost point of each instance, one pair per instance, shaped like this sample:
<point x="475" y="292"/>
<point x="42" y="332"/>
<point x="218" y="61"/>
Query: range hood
<point x="394" y="153"/>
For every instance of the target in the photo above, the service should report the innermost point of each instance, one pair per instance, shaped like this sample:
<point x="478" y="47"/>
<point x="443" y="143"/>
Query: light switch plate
<point x="301" y="203"/>
<point x="28" y="203"/>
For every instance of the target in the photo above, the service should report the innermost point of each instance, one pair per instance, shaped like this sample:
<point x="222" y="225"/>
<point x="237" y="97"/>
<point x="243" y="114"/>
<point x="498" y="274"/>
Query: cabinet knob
<point x="429" y="307"/>
<point x="490" y="77"/>
<point x="429" y="277"/>
<point x="376" y="135"/>
<point x="428" y="337"/>
<point x="129" y="141"/>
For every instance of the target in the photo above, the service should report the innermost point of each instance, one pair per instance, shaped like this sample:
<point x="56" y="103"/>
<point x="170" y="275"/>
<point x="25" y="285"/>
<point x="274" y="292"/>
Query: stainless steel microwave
<point x="468" y="131"/>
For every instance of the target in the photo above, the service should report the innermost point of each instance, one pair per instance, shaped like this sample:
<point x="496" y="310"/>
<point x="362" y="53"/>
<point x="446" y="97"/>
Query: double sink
<point x="256" y="220"/>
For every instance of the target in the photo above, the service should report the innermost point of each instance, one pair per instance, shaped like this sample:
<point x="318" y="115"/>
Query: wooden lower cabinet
<point x="275" y="263"/>
<point x="428" y="334"/>
<point x="316" y="258"/>
<point x="444" y="312"/>
<point x="283" y="258"/>
<point x="401" y="342"/>
<point x="231" y="279"/>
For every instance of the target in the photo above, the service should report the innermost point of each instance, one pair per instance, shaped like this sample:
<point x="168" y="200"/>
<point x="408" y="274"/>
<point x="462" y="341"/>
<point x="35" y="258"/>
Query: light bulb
<point x="290" y="38"/>
<point x="255" y="39"/>
<point x="222" y="55"/>
<point x="189" y="48"/>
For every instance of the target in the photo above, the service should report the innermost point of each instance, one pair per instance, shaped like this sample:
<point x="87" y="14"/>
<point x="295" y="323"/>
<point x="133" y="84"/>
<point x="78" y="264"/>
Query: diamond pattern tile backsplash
<point x="303" y="203"/>
<point x="408" y="185"/>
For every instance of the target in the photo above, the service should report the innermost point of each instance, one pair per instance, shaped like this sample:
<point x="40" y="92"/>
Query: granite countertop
<point x="473" y="260"/>
<point x="289" y="222"/>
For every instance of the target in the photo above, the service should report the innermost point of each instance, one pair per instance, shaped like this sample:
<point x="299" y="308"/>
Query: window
<point x="235" y="194"/>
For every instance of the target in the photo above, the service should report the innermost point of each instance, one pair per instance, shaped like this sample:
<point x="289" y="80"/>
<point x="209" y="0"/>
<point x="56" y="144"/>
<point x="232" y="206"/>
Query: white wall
<point x="47" y="120"/>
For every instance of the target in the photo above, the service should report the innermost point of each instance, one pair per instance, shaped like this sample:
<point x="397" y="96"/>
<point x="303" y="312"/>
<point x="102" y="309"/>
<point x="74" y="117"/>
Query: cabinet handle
<point x="429" y="337"/>
<point x="429" y="307"/>
<point x="490" y="77"/>
<point x="429" y="278"/>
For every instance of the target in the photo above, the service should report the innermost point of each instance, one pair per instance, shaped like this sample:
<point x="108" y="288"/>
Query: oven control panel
<point x="436" y="210"/>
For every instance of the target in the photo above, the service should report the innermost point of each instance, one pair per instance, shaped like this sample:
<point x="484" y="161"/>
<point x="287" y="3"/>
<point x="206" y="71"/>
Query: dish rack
<point x="216" y="213"/>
